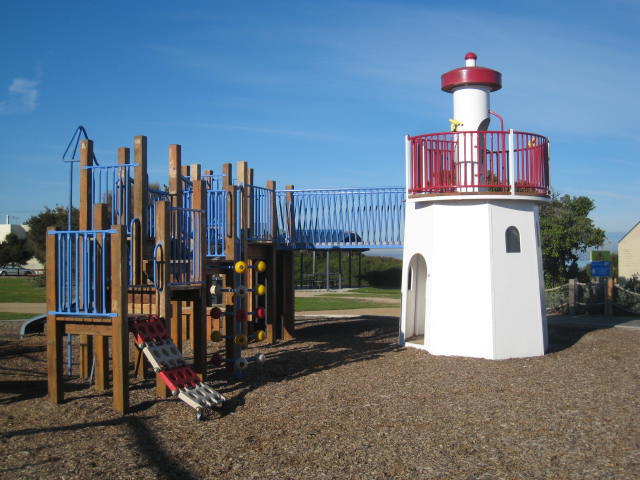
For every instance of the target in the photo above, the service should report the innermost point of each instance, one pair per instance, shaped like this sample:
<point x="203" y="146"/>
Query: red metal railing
<point x="479" y="162"/>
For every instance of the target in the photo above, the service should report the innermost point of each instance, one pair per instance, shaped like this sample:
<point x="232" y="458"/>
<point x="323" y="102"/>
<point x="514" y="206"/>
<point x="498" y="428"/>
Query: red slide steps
<point x="167" y="361"/>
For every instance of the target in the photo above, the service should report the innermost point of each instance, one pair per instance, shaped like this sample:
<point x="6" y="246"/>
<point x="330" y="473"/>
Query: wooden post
<point x="120" y="323"/>
<point x="164" y="303"/>
<point x="100" y="342"/>
<point x="86" y="201"/>
<point x="175" y="170"/>
<point x="140" y="205"/>
<point x="195" y="172"/>
<point x="230" y="227"/>
<point x="288" y="285"/>
<point x="271" y="273"/>
<point x="198" y="308"/>
<point x="54" y="329"/>
<point x="608" y="297"/>
<point x="572" y="296"/>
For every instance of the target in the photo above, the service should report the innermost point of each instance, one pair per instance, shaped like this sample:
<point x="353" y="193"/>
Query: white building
<point x="21" y="232"/>
<point x="629" y="254"/>
<point x="472" y="265"/>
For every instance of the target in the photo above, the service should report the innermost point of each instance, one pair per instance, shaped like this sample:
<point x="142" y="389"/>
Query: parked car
<point x="14" y="270"/>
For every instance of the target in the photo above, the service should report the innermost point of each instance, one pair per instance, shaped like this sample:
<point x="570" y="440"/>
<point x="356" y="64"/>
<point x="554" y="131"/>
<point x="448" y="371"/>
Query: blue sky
<point x="315" y="94"/>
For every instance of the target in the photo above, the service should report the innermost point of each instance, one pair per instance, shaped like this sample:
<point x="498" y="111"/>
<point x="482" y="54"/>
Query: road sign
<point x="601" y="269"/>
<point x="600" y="255"/>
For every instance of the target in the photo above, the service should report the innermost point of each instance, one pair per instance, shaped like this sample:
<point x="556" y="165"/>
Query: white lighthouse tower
<point x="472" y="268"/>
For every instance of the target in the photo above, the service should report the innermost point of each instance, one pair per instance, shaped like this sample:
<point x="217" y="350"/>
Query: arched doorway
<point x="416" y="300"/>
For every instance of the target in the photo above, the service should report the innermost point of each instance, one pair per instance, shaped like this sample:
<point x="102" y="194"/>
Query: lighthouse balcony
<point x="479" y="163"/>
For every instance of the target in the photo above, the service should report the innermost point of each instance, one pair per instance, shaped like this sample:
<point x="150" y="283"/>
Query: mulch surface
<point x="342" y="401"/>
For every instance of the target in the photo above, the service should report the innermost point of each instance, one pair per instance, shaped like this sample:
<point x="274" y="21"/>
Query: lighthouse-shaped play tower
<point x="472" y="269"/>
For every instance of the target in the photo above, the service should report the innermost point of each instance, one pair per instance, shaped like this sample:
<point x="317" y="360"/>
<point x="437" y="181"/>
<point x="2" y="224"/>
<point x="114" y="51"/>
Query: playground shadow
<point x="566" y="330"/>
<point x="164" y="465"/>
<point x="320" y="344"/>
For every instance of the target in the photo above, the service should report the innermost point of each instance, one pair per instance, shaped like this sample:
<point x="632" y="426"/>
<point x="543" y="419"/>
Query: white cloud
<point x="22" y="98"/>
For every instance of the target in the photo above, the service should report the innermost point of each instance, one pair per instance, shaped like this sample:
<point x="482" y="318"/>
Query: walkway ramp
<point x="167" y="361"/>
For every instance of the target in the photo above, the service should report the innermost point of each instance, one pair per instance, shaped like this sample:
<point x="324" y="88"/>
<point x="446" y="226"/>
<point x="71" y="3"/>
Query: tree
<point x="566" y="230"/>
<point x="14" y="250"/>
<point x="38" y="224"/>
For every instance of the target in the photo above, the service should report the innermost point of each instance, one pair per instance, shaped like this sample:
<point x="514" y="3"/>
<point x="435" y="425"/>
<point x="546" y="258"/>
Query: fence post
<point x="608" y="297"/>
<point x="572" y="296"/>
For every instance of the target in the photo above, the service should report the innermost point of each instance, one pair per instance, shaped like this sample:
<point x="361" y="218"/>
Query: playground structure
<point x="209" y="257"/>
<point x="472" y="212"/>
<point x="212" y="255"/>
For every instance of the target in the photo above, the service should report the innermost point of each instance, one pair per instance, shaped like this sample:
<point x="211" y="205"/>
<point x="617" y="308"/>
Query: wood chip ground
<point x="342" y="401"/>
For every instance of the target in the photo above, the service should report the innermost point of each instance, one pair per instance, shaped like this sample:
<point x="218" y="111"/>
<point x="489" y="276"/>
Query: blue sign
<point x="601" y="269"/>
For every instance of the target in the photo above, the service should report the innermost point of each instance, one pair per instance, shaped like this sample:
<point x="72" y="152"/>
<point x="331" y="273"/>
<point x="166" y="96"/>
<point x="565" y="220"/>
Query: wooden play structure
<point x="200" y="255"/>
<point x="208" y="257"/>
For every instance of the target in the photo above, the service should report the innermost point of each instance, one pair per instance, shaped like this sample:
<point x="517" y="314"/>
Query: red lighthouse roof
<point x="471" y="75"/>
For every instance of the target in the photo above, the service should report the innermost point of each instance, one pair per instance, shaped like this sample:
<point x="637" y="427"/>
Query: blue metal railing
<point x="213" y="181"/>
<point x="82" y="273"/>
<point x="185" y="264"/>
<point x="111" y="184"/>
<point x="187" y="192"/>
<point x="341" y="218"/>
<point x="261" y="226"/>
<point x="154" y="196"/>
<point x="216" y="222"/>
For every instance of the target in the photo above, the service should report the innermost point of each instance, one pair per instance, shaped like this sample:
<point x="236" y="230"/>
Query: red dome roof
<point x="465" y="76"/>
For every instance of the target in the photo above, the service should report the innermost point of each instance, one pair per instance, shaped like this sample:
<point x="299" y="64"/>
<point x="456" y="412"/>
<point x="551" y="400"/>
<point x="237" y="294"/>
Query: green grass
<point x="16" y="315"/>
<point x="368" y="292"/>
<point x="21" y="289"/>
<point x="309" y="304"/>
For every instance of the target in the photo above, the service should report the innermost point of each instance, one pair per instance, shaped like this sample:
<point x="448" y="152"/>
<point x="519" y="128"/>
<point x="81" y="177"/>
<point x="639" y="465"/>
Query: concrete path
<point x="23" y="307"/>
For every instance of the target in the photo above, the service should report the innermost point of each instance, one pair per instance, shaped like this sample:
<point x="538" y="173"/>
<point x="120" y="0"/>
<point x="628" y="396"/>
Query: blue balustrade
<point x="82" y="273"/>
<point x="350" y="218"/>
<point x="112" y="185"/>
<point x="261" y="226"/>
<point x="185" y="264"/>
<point x="216" y="222"/>
<point x="154" y="196"/>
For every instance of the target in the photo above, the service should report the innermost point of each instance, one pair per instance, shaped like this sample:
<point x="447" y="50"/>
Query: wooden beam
<point x="270" y="275"/>
<point x="164" y="296"/>
<point x="100" y="342"/>
<point x="140" y="182"/>
<point x="86" y="201"/>
<point x="120" y="323"/>
<point x="198" y="306"/>
<point x="54" y="331"/>
<point x="175" y="170"/>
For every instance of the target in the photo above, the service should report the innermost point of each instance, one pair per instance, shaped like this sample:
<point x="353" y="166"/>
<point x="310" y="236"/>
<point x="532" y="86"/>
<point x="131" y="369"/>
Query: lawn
<point x="21" y="289"/>
<point x="16" y="315"/>
<point x="306" y="304"/>
<point x="368" y="292"/>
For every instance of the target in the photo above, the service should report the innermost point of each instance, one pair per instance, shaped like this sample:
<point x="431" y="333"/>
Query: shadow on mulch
<point x="164" y="465"/>
<point x="566" y="330"/>
<point x="333" y="343"/>
<point x="563" y="337"/>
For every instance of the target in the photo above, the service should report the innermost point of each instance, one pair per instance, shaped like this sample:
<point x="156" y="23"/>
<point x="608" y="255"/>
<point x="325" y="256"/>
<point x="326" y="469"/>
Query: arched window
<point x="512" y="239"/>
